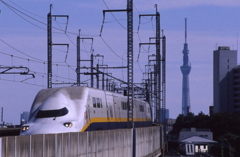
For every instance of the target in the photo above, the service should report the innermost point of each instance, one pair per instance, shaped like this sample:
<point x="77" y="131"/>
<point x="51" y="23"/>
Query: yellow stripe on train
<point x="104" y="119"/>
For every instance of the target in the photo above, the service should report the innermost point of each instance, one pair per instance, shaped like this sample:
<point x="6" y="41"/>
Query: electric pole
<point x="50" y="44"/>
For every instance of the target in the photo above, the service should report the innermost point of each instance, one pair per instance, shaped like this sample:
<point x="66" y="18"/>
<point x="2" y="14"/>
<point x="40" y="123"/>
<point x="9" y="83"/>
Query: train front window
<point x="52" y="113"/>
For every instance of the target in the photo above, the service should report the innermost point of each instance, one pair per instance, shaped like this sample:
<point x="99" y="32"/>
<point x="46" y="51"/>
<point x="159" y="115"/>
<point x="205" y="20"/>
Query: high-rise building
<point x="224" y="62"/>
<point x="185" y="68"/>
<point x="236" y="89"/>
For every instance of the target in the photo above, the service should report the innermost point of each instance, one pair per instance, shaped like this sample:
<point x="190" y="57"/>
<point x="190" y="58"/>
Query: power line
<point x="19" y="50"/>
<point x="15" y="9"/>
<point x="112" y="49"/>
<point x="27" y="10"/>
<point x="114" y="16"/>
<point x="18" y="12"/>
<point x="43" y="62"/>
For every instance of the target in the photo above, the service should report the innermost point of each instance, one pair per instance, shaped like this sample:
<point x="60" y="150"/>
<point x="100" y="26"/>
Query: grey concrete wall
<point x="147" y="141"/>
<point x="108" y="143"/>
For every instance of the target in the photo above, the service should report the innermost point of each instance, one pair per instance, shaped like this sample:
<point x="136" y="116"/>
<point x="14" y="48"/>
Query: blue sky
<point x="210" y="23"/>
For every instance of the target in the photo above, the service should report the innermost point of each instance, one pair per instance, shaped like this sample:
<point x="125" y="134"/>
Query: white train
<point x="78" y="109"/>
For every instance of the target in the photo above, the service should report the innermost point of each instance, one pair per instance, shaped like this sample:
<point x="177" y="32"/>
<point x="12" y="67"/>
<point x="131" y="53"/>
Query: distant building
<point x="24" y="118"/>
<point x="224" y="61"/>
<point x="236" y="89"/>
<point x="190" y="132"/>
<point x="193" y="141"/>
<point x="166" y="114"/>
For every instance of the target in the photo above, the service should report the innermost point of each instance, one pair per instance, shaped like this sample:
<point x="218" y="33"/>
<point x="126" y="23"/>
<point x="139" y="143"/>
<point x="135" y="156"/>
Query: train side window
<point x="94" y="102"/>
<point x="98" y="103"/>
<point x="141" y="108"/>
<point x="124" y="105"/>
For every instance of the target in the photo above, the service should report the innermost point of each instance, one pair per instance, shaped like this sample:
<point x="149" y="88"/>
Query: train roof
<point x="72" y="92"/>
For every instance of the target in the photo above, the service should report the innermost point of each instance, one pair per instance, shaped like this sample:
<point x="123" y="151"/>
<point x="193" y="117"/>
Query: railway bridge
<point x="139" y="142"/>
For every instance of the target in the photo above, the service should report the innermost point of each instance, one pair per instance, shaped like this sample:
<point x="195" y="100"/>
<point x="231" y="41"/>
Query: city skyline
<point x="210" y="25"/>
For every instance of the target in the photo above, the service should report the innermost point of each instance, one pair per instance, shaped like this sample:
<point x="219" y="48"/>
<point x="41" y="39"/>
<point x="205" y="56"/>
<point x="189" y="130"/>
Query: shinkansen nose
<point x="49" y="121"/>
<point x="41" y="128"/>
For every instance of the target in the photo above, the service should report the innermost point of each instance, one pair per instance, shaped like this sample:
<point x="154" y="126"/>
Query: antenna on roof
<point x="185" y="30"/>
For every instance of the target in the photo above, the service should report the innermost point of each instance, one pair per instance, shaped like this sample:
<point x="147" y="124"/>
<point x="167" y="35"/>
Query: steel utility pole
<point x="50" y="44"/>
<point x="159" y="77"/>
<point x="158" y="66"/>
<point x="129" y="11"/>
<point x="164" y="85"/>
<point x="130" y="63"/>
<point x="78" y="60"/>
<point x="79" y="57"/>
<point x="157" y="71"/>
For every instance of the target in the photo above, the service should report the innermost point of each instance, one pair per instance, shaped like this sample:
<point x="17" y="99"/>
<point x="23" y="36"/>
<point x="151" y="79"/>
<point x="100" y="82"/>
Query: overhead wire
<point x="85" y="50"/>
<point x="21" y="14"/>
<point x="43" y="62"/>
<point x="122" y="65"/>
<point x="115" y="21"/>
<point x="21" y="82"/>
<point x="41" y="73"/>
<point x="35" y="84"/>
<point x="112" y="49"/>
<point x="14" y="10"/>
<point x="140" y="23"/>
<point x="104" y="41"/>
<point x="71" y="40"/>
<point x="148" y="51"/>
<point x="125" y="29"/>
<point x="20" y="51"/>
<point x="67" y="51"/>
<point x="26" y="10"/>
<point x="114" y="16"/>
<point x="27" y="20"/>
<point x="17" y="10"/>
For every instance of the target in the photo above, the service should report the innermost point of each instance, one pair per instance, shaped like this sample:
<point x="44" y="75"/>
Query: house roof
<point x="197" y="140"/>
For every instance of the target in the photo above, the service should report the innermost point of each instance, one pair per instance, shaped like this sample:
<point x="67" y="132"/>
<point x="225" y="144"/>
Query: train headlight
<point x="24" y="128"/>
<point x="68" y="124"/>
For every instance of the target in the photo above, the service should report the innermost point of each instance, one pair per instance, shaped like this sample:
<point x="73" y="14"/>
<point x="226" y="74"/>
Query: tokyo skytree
<point x="185" y="68"/>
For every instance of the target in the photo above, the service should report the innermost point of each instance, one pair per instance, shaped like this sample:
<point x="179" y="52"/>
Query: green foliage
<point x="182" y="122"/>
<point x="228" y="146"/>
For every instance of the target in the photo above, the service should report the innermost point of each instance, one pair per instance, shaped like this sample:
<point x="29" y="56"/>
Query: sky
<point x="23" y="43"/>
